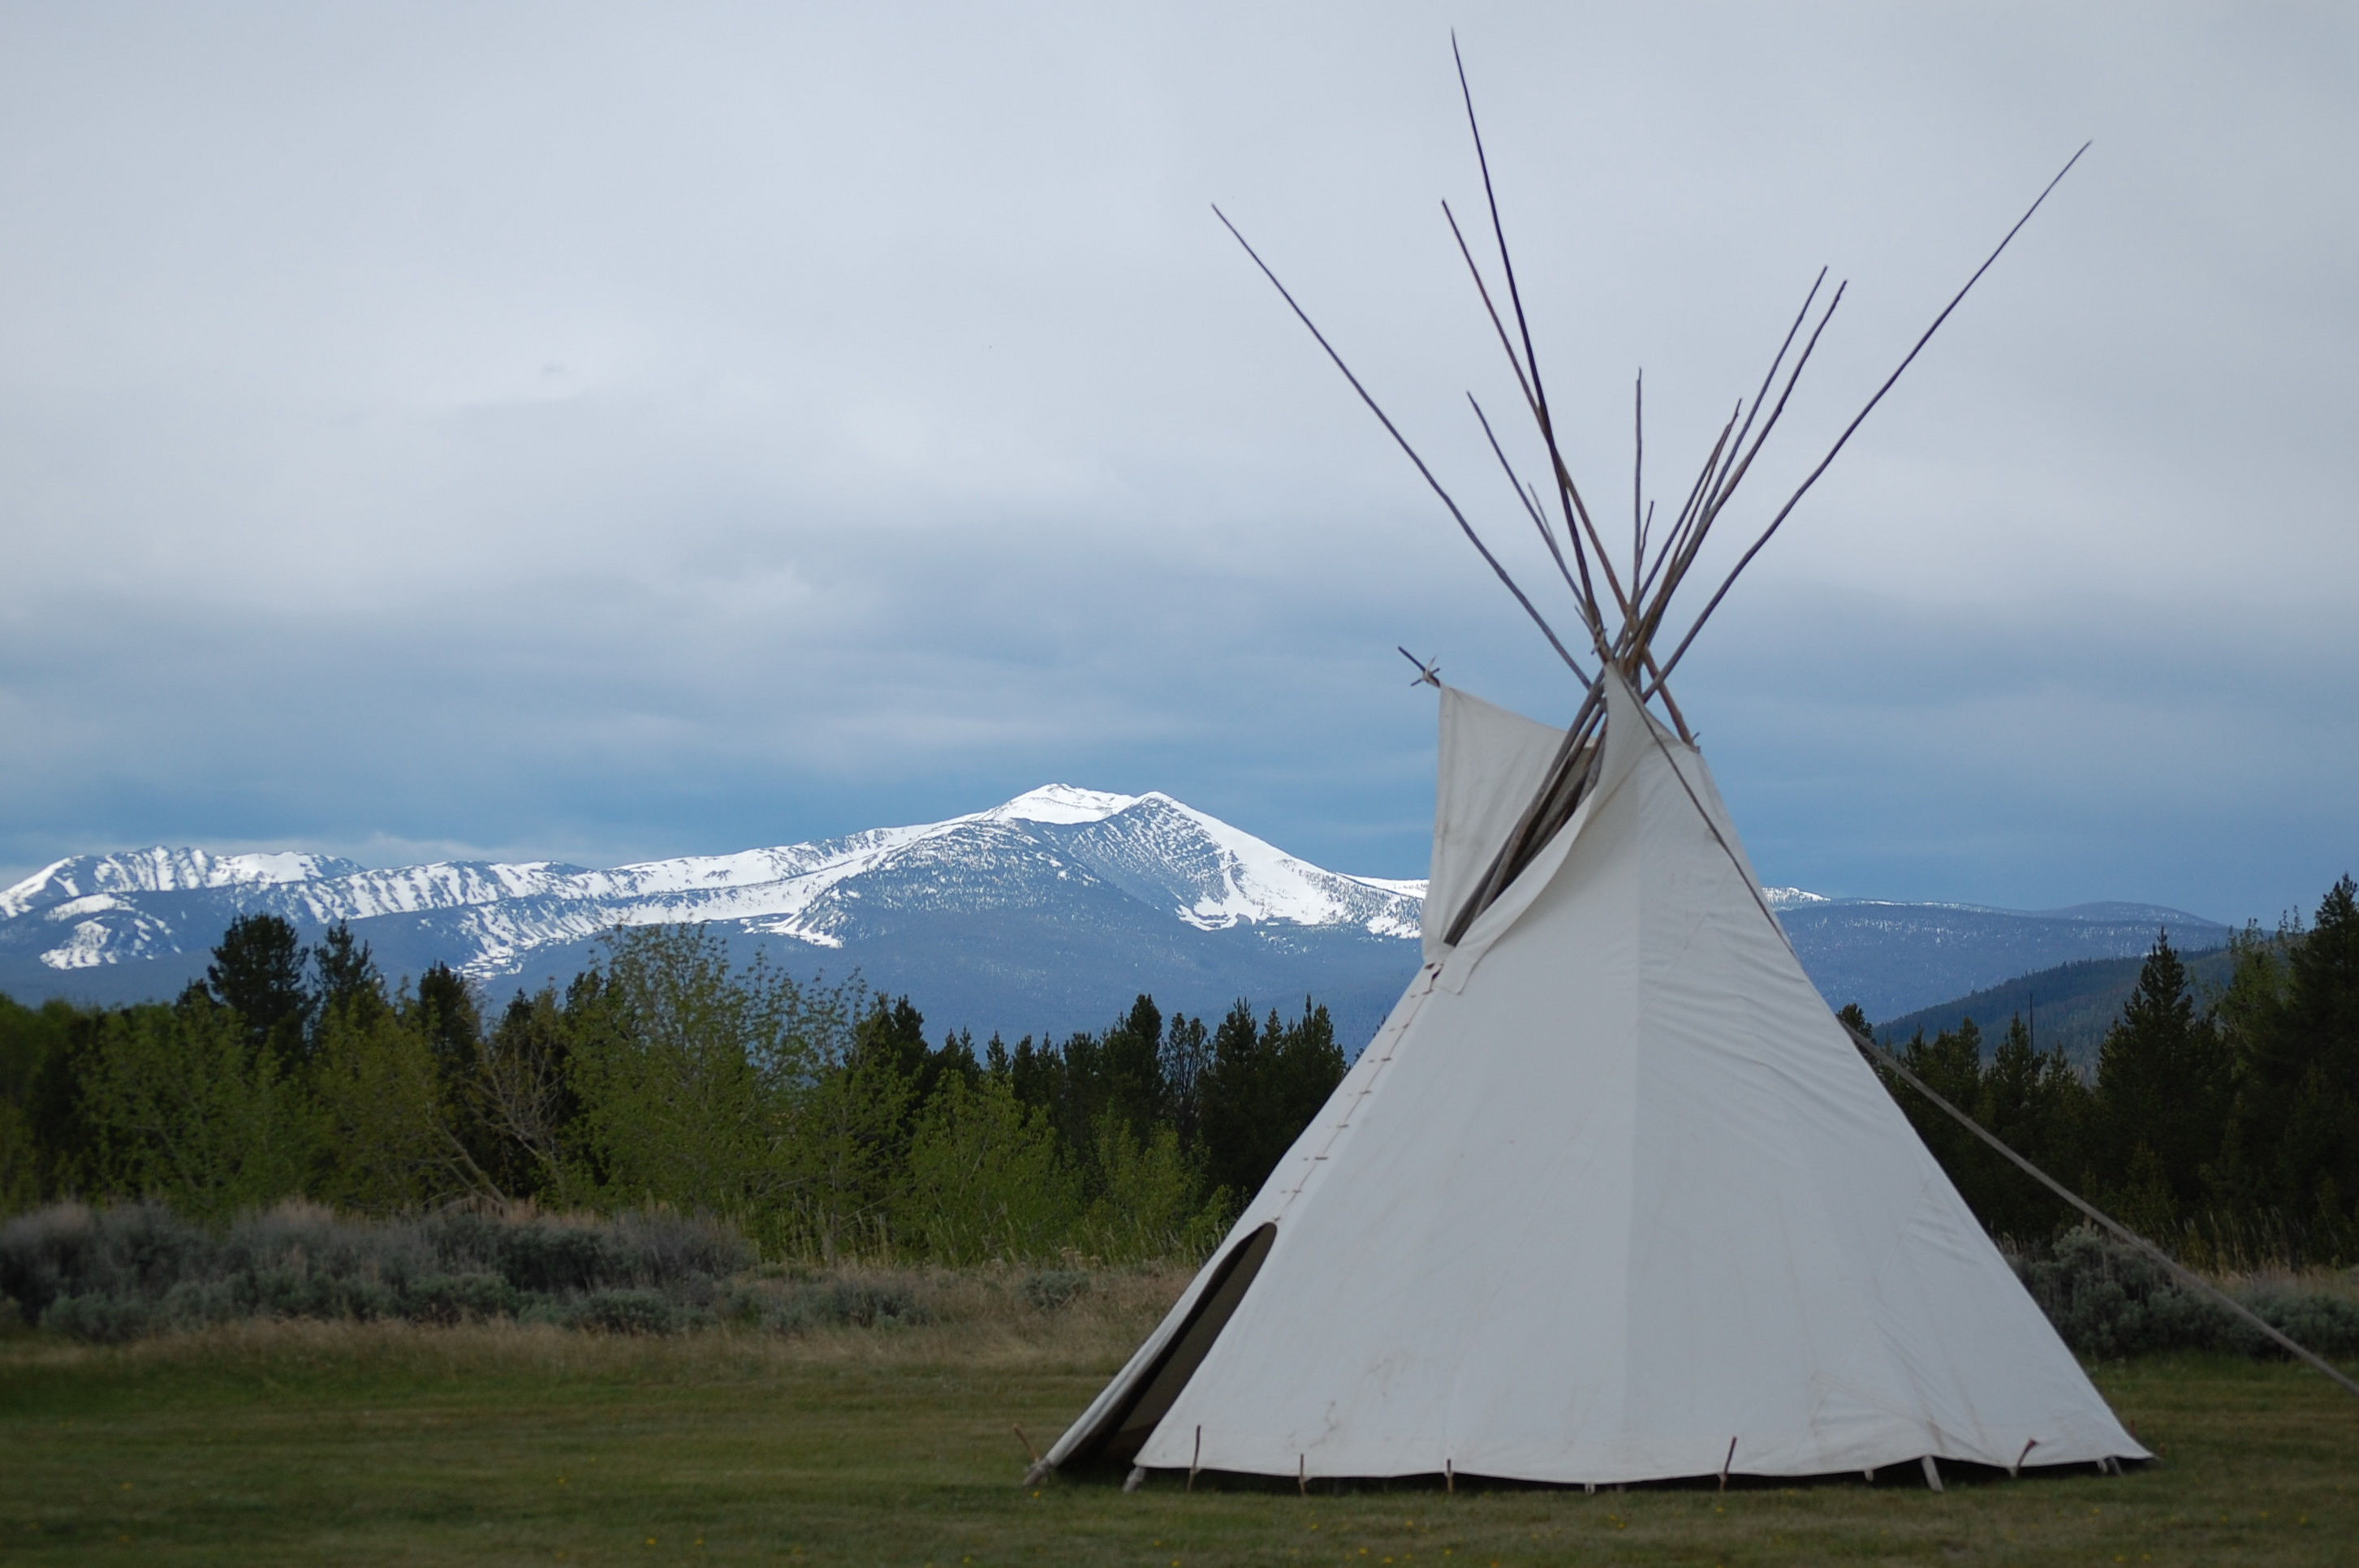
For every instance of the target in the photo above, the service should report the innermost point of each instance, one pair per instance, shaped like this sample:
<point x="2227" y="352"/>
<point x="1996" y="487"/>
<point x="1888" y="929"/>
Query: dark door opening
<point x="1124" y="1429"/>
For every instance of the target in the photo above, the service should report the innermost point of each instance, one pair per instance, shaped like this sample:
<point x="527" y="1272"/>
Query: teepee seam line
<point x="1342" y="1124"/>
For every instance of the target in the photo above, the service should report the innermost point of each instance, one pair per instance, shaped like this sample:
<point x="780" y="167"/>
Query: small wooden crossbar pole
<point x="1016" y="1427"/>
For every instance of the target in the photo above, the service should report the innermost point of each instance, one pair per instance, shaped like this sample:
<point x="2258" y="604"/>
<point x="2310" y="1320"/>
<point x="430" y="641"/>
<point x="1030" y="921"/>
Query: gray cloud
<point x="602" y="432"/>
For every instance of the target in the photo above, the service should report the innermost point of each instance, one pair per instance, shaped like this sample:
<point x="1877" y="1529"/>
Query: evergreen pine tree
<point x="445" y="1009"/>
<point x="1262" y="1087"/>
<point x="2164" y="1080"/>
<point x="2011" y="1105"/>
<point x="257" y="972"/>
<point x="347" y="984"/>
<point x="1136" y="1092"/>
<point x="1186" y="1053"/>
<point x="1037" y="1073"/>
<point x="1309" y="1065"/>
<point x="1233" y="1101"/>
<point x="1951" y="1064"/>
<point x="2315" y="1053"/>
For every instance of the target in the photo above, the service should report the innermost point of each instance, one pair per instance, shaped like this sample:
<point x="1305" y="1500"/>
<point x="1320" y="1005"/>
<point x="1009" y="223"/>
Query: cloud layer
<point x="610" y="432"/>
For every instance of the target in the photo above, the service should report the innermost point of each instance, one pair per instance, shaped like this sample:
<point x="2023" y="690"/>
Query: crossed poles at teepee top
<point x="1639" y="606"/>
<point x="1643" y="603"/>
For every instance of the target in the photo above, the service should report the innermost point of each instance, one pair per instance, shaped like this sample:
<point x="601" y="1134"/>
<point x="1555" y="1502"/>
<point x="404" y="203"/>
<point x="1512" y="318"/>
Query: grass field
<point x="294" y="1442"/>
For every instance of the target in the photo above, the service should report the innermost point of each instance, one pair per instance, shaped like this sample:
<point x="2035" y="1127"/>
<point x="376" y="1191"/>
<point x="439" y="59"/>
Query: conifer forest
<point x="2224" y="1127"/>
<point x="821" y="1122"/>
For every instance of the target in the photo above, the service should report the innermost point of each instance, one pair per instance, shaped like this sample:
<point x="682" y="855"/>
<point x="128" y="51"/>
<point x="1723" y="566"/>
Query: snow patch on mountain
<point x="161" y="870"/>
<point x="1059" y="803"/>
<point x="1412" y="887"/>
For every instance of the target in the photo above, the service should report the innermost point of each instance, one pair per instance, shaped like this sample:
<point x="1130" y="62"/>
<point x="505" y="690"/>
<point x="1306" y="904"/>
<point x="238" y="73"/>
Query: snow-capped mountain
<point x="1076" y="867"/>
<point x="1197" y="869"/>
<point x="1049" y="911"/>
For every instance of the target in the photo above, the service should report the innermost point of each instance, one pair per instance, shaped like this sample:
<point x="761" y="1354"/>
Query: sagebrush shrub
<point x="112" y="1275"/>
<point x="2109" y="1299"/>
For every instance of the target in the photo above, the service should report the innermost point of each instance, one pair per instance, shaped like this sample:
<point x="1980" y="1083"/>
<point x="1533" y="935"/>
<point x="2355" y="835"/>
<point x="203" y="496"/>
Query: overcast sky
<point x="599" y="433"/>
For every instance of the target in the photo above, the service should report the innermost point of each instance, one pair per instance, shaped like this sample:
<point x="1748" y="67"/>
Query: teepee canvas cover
<point x="1611" y="1196"/>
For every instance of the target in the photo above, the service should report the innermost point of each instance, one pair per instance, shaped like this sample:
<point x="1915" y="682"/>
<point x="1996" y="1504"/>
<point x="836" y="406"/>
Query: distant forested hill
<point x="2071" y="1005"/>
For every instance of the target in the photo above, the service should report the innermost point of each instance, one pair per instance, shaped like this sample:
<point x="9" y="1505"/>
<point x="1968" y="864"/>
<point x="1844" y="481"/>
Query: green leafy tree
<point x="850" y="1144"/>
<point x="2318" y="1052"/>
<point x="684" y="1067"/>
<point x="39" y="1131"/>
<point x="984" y="1181"/>
<point x="446" y="1008"/>
<point x="522" y="1092"/>
<point x="444" y="1011"/>
<point x="892" y="1034"/>
<point x="185" y="1105"/>
<point x="1152" y="1204"/>
<point x="394" y="1140"/>
<point x="890" y="1046"/>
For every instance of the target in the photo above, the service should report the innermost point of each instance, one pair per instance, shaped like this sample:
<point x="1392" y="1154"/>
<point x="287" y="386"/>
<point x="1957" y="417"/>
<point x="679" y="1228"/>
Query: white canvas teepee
<point x="1610" y="1197"/>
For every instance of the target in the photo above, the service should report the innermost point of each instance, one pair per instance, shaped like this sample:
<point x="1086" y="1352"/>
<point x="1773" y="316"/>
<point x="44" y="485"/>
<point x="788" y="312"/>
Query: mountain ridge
<point x="2069" y="1006"/>
<point x="1209" y="873"/>
<point x="1049" y="910"/>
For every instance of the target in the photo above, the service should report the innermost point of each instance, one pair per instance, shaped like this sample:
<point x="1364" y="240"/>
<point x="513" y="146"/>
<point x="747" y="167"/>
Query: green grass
<point x="339" y="1444"/>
